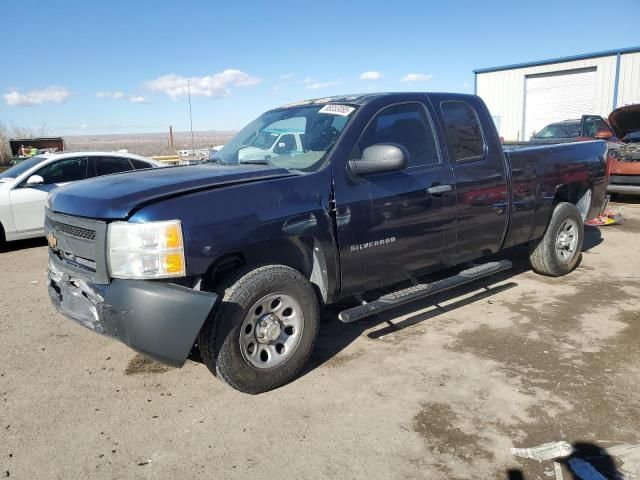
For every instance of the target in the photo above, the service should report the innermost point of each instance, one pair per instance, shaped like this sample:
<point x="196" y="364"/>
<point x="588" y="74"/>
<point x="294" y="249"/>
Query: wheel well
<point x="3" y="238"/>
<point x="571" y="192"/>
<point x="300" y="253"/>
<point x="575" y="193"/>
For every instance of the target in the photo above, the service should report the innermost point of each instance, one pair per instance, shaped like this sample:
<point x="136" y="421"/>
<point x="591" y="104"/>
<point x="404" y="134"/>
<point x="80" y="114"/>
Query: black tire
<point x="219" y="338"/>
<point x="3" y="239"/>
<point x="545" y="257"/>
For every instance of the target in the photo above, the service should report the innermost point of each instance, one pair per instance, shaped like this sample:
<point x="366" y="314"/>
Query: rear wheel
<point x="558" y="251"/>
<point x="263" y="331"/>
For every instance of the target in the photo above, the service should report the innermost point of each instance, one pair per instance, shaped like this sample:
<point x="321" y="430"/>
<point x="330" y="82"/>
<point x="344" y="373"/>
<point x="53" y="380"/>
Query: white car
<point x="25" y="186"/>
<point x="272" y="143"/>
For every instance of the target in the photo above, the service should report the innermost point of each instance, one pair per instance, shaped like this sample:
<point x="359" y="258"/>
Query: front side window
<point x="406" y="125"/>
<point x="271" y="138"/>
<point x="62" y="171"/>
<point x="463" y="131"/>
<point x="108" y="165"/>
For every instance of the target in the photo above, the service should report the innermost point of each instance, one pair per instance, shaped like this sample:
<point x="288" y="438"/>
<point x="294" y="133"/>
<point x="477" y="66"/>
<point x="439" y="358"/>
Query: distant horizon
<point x="175" y="132"/>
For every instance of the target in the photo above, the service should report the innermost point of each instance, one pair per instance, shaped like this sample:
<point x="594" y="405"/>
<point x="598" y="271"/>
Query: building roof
<point x="584" y="56"/>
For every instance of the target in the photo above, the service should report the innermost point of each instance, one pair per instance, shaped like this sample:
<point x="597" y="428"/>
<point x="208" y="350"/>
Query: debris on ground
<point x="607" y="218"/>
<point x="546" y="451"/>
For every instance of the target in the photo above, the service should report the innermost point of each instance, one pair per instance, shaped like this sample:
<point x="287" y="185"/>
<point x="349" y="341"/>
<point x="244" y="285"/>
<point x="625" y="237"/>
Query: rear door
<point x="390" y="226"/>
<point x="27" y="201"/>
<point x="481" y="177"/>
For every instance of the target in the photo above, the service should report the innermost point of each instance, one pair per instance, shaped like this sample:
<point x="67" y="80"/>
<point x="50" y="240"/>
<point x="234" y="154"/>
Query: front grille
<point x="74" y="231"/>
<point x="625" y="179"/>
<point x="78" y="246"/>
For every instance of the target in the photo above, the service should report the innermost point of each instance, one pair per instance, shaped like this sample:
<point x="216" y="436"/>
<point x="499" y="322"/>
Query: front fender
<point x="259" y="217"/>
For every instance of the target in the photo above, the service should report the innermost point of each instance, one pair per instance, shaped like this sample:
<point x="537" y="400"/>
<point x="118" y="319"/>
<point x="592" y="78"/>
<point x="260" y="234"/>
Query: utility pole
<point x="171" y="151"/>
<point x="193" y="148"/>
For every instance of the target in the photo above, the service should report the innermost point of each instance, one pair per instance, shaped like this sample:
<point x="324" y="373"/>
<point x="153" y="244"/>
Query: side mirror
<point x="35" y="180"/>
<point x="382" y="157"/>
<point x="603" y="134"/>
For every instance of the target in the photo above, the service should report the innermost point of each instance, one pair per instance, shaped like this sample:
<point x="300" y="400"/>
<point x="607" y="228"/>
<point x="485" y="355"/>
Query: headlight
<point x="145" y="250"/>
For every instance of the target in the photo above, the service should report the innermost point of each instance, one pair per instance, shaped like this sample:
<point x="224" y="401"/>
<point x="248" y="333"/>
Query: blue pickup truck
<point x="237" y="257"/>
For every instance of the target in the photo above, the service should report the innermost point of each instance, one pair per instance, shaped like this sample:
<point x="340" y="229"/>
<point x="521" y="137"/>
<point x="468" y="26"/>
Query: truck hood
<point x="117" y="196"/>
<point x="625" y="120"/>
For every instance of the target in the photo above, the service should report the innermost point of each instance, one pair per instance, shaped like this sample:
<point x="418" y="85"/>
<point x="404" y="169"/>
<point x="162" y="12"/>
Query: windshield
<point x="20" y="168"/>
<point x="560" y="130"/>
<point x="265" y="140"/>
<point x="296" y="138"/>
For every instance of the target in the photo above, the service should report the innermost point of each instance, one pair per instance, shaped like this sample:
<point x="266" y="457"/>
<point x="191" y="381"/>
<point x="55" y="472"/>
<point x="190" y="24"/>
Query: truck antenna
<point x="193" y="148"/>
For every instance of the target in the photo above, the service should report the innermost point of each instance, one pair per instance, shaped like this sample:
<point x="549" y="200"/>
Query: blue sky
<point x="81" y="67"/>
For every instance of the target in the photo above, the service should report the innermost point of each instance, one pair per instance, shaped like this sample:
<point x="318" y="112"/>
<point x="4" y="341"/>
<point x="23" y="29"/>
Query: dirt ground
<point x="439" y="390"/>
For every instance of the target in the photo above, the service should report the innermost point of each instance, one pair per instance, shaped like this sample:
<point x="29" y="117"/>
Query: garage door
<point x="553" y="97"/>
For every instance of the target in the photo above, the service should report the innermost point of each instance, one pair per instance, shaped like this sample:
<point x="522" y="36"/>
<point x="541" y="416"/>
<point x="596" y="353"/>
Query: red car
<point x="624" y="157"/>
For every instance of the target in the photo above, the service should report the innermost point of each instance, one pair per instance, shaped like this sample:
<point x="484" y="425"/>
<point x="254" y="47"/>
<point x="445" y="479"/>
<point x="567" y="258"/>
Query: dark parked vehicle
<point x="588" y="127"/>
<point x="624" y="158"/>
<point x="238" y="257"/>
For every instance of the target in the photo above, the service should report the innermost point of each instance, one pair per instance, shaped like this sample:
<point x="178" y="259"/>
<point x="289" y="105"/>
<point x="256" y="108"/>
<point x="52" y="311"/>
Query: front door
<point x="393" y="225"/>
<point x="27" y="201"/>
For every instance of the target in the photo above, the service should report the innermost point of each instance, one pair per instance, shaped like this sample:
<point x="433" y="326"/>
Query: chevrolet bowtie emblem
<point x="52" y="240"/>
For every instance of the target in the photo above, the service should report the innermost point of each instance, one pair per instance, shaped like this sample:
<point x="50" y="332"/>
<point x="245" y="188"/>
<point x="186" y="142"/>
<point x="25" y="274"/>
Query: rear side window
<point x="108" y="165"/>
<point x="463" y="131"/>
<point x="139" y="164"/>
<point x="407" y="125"/>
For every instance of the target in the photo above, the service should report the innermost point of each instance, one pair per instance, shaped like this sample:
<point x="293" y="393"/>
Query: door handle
<point x="439" y="189"/>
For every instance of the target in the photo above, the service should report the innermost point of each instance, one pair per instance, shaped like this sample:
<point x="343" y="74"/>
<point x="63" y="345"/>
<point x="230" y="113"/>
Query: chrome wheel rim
<point x="567" y="240"/>
<point x="271" y="331"/>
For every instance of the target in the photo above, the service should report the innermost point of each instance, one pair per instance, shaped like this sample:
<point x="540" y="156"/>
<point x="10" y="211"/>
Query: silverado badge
<point x="52" y="240"/>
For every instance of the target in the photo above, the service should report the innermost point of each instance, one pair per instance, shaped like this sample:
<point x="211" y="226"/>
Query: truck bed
<point x="538" y="170"/>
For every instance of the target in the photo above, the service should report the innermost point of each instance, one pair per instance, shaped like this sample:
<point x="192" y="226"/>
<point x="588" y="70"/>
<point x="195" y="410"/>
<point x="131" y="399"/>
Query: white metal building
<point x="525" y="97"/>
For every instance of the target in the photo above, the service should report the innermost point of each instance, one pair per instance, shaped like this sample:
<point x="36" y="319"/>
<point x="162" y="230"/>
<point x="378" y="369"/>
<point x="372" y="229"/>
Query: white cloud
<point x="139" y="99"/>
<point x="115" y="95"/>
<point x="416" y="77"/>
<point x="51" y="94"/>
<point x="288" y="76"/>
<point x="216" y="85"/>
<point x="313" y="85"/>
<point x="370" y="75"/>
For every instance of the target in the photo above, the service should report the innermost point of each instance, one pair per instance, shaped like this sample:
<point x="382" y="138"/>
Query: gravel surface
<point x="440" y="389"/>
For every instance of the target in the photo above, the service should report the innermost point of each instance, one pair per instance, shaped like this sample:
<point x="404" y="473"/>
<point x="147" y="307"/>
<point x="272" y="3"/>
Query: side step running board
<point x="422" y="290"/>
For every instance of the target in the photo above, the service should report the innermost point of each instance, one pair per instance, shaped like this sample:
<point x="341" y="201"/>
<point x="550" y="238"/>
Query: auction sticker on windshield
<point x="343" y="110"/>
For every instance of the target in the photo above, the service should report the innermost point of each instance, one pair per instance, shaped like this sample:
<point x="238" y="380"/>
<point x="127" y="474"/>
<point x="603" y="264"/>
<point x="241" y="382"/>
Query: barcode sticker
<point x="342" y="110"/>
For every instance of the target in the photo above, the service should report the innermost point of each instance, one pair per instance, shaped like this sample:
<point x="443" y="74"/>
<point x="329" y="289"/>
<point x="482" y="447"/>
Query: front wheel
<point x="263" y="331"/>
<point x="558" y="251"/>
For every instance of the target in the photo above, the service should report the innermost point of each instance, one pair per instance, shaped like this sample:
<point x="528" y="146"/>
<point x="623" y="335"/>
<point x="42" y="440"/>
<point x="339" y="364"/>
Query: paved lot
<point x="432" y="391"/>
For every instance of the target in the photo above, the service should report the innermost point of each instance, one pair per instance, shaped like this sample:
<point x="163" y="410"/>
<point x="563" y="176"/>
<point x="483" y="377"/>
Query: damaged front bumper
<point x="158" y="319"/>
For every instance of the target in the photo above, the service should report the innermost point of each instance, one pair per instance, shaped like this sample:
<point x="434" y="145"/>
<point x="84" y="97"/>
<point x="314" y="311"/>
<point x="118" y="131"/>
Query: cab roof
<point x="364" y="98"/>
